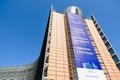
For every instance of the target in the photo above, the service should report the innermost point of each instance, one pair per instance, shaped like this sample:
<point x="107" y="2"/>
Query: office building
<point x="77" y="49"/>
<point x="74" y="48"/>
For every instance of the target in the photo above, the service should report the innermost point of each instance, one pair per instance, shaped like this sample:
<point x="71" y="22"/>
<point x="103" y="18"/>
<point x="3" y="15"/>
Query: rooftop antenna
<point x="51" y="8"/>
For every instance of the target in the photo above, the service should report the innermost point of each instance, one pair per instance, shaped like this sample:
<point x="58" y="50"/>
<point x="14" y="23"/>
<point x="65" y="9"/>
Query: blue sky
<point x="23" y="22"/>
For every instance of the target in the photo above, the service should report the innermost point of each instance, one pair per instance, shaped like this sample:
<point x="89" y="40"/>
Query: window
<point x="111" y="51"/>
<point x="94" y="21"/>
<point x="99" y="29"/>
<point x="115" y="58"/>
<point x="92" y="18"/>
<point x="107" y="44"/>
<point x="118" y="66"/>
<point x="104" y="39"/>
<point x="96" y="25"/>
<point x="101" y="34"/>
<point x="76" y="10"/>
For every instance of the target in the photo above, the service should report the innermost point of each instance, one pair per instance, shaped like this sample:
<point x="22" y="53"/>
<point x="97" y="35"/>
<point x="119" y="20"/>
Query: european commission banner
<point x="87" y="64"/>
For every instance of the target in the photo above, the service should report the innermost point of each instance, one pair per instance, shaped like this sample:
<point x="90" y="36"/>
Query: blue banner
<point x="85" y="55"/>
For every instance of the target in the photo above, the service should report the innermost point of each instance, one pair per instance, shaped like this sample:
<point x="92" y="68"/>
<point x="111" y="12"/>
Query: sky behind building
<point x="23" y="22"/>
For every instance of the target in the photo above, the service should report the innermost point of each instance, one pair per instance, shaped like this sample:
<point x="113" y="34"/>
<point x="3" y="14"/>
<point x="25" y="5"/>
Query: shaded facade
<point x="74" y="48"/>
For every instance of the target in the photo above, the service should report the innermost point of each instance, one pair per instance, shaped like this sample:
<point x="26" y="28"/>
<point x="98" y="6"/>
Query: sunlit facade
<point x="74" y="48"/>
<point x="77" y="49"/>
